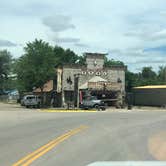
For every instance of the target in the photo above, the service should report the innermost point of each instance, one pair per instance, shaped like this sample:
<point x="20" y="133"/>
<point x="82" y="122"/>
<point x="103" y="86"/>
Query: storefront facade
<point x="71" y="79"/>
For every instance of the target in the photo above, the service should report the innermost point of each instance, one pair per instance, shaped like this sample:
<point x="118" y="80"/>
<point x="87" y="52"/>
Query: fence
<point x="9" y="98"/>
<point x="4" y="98"/>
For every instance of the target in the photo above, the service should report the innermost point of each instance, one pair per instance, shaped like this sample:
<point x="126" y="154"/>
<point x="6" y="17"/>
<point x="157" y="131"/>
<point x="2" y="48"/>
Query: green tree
<point x="63" y="56"/>
<point x="5" y="68"/>
<point x="112" y="62"/>
<point x="131" y="79"/>
<point x="36" y="66"/>
<point x="162" y="74"/>
<point x="107" y="63"/>
<point x="82" y="60"/>
<point x="146" y="77"/>
<point x="148" y="73"/>
<point x="149" y="77"/>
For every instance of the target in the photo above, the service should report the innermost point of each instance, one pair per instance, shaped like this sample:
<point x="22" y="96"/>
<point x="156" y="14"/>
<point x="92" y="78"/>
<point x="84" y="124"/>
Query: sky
<point x="132" y="31"/>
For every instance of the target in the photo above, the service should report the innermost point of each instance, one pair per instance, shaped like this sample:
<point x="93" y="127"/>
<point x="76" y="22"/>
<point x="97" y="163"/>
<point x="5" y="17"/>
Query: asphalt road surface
<point x="31" y="137"/>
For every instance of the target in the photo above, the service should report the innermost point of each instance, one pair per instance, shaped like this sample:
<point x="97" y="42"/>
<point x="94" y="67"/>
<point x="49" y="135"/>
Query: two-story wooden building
<point x="93" y="78"/>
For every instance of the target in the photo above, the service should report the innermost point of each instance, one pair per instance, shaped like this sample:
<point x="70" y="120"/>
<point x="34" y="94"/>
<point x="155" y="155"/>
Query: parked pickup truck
<point x="92" y="102"/>
<point x="31" y="101"/>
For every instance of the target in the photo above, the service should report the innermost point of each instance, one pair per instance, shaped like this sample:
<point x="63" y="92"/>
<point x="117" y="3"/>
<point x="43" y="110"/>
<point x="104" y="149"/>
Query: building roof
<point x="95" y="55"/>
<point x="84" y="67"/>
<point x="47" y="87"/>
<point x="151" y="87"/>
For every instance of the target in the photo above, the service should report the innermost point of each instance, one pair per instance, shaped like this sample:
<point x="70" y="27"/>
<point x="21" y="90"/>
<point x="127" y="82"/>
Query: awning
<point x="84" y="86"/>
<point x="94" y="79"/>
<point x="97" y="79"/>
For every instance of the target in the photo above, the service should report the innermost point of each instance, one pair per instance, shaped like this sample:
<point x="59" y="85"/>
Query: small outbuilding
<point x="152" y="95"/>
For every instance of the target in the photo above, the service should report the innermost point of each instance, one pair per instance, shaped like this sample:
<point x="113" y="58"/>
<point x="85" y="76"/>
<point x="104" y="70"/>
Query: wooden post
<point x="76" y="90"/>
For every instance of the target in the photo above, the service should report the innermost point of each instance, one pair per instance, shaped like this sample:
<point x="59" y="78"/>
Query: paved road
<point x="110" y="136"/>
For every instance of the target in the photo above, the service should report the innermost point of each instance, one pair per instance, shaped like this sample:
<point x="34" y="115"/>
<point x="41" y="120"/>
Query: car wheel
<point x="97" y="107"/>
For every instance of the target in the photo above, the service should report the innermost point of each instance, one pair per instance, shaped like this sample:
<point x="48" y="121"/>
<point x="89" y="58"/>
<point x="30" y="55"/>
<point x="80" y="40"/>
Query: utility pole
<point x="76" y="90"/>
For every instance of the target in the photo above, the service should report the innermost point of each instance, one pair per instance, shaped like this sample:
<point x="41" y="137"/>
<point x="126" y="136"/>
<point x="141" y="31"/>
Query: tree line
<point x="37" y="65"/>
<point x="147" y="76"/>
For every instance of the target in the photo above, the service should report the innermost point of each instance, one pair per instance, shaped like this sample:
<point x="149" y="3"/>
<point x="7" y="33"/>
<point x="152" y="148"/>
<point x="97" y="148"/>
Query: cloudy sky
<point x="133" y="31"/>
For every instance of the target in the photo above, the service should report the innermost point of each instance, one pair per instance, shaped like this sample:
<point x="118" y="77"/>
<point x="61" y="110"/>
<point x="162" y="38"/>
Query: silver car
<point x="93" y="102"/>
<point x="31" y="101"/>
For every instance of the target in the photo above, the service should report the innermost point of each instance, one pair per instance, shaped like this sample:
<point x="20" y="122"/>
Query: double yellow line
<point x="27" y="160"/>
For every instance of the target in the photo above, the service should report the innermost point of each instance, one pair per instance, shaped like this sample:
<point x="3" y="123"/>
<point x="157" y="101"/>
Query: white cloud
<point x="81" y="45"/>
<point x="66" y="40"/>
<point x="7" y="43"/>
<point x="163" y="13"/>
<point x="159" y="35"/>
<point x="58" y="23"/>
<point x="147" y="34"/>
<point x="125" y="27"/>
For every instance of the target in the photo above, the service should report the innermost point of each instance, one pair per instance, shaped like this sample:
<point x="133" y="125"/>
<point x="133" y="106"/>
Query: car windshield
<point x="93" y="98"/>
<point x="31" y="97"/>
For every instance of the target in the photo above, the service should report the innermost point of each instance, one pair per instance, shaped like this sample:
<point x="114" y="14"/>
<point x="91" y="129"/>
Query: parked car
<point x="93" y="102"/>
<point x="31" y="101"/>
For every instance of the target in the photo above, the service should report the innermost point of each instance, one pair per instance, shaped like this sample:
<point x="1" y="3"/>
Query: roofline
<point x="78" y="66"/>
<point x="95" y="53"/>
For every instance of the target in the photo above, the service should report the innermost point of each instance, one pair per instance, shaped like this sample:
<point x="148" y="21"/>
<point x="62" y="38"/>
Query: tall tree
<point x="132" y="80"/>
<point x="36" y="66"/>
<point x="112" y="62"/>
<point x="5" y="67"/>
<point x="148" y="73"/>
<point x="63" y="56"/>
<point x="149" y="77"/>
<point x="146" y="77"/>
<point x="162" y="74"/>
<point x="82" y="60"/>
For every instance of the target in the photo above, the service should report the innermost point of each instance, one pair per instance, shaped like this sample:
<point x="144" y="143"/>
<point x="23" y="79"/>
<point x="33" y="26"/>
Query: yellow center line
<point x="47" y="147"/>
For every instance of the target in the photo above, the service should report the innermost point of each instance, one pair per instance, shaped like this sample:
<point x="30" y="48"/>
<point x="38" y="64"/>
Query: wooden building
<point x="91" y="78"/>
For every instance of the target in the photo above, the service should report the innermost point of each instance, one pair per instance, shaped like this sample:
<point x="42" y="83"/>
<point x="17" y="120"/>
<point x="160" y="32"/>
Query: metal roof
<point x="151" y="87"/>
